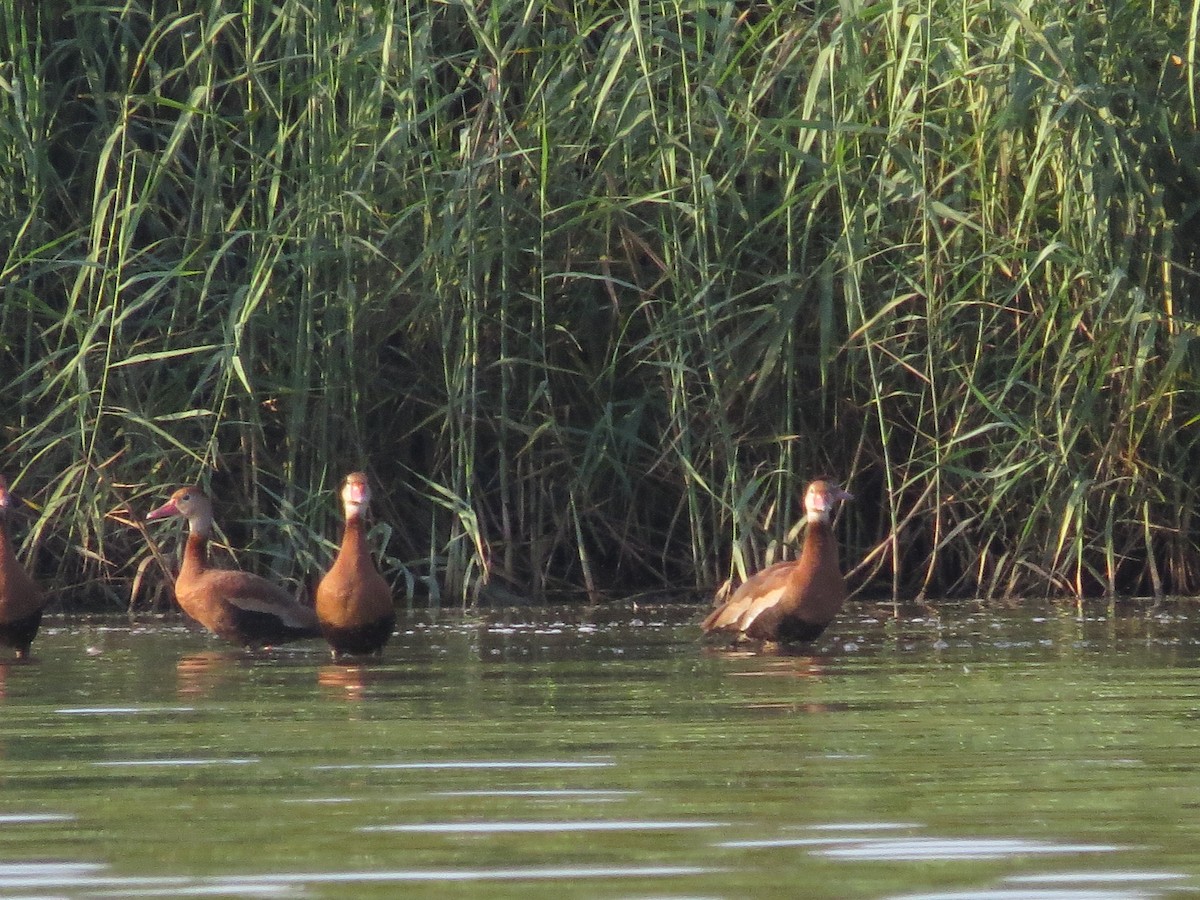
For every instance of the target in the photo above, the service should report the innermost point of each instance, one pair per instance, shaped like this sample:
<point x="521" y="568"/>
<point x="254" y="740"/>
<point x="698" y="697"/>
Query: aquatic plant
<point x="592" y="289"/>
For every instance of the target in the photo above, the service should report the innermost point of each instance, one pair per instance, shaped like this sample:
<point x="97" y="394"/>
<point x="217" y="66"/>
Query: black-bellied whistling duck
<point x="238" y="606"/>
<point x="21" y="600"/>
<point x="791" y="601"/>
<point x="354" y="603"/>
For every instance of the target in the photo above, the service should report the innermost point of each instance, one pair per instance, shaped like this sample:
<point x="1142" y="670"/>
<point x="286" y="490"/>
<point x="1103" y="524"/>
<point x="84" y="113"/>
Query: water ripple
<point x="122" y="710"/>
<point x="542" y="827"/>
<point x="540" y="794"/>
<point x="1034" y="894"/>
<point x="781" y="842"/>
<point x="1120" y="877"/>
<point x="934" y="848"/>
<point x="32" y="819"/>
<point x="61" y="876"/>
<point x="476" y="764"/>
<point x="865" y="847"/>
<point x="513" y="874"/>
<point x="198" y="761"/>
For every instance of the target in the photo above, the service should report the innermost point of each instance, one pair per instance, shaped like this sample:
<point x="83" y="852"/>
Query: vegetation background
<point x="591" y="289"/>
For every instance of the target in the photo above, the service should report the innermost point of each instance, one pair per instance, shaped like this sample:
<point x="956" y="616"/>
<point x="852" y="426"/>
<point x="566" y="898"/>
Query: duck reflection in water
<point x="198" y="674"/>
<point x="780" y="665"/>
<point x="347" y="679"/>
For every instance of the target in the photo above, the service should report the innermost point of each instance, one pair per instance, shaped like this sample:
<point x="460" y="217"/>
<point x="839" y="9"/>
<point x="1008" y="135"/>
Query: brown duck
<point x="354" y="602"/>
<point x="21" y="600"/>
<point x="795" y="600"/>
<point x="240" y="607"/>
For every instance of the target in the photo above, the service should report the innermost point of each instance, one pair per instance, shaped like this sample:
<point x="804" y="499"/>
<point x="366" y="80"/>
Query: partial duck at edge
<point x="21" y="600"/>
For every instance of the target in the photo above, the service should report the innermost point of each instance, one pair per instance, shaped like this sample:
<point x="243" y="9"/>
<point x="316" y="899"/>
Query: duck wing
<point x="252" y="594"/>
<point x="759" y="593"/>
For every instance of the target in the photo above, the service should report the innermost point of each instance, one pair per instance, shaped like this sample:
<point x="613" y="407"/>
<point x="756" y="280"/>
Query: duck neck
<point x="820" y="548"/>
<point x="354" y="540"/>
<point x="195" y="554"/>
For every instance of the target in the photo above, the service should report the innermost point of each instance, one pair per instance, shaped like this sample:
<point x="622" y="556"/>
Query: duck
<point x="791" y="601"/>
<point x="354" y="603"/>
<point x="239" y="607"/>
<point x="21" y="600"/>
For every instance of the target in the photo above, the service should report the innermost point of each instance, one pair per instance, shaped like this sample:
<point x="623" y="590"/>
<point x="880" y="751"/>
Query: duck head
<point x="356" y="495"/>
<point x="821" y="497"/>
<point x="192" y="504"/>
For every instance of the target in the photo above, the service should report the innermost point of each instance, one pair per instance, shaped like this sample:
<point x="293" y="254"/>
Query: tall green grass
<point x="592" y="289"/>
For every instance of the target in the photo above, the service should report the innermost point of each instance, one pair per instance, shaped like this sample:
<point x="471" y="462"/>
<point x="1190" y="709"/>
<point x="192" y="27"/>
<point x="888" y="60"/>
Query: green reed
<point x="592" y="289"/>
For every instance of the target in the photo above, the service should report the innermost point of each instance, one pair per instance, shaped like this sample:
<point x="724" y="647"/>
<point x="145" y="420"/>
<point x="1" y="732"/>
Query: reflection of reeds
<point x="592" y="292"/>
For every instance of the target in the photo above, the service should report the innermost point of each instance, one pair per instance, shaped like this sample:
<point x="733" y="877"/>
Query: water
<point x="570" y="753"/>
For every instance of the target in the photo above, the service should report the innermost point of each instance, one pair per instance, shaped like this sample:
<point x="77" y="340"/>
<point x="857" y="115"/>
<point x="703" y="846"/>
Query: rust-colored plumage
<point x="791" y="601"/>
<point x="354" y="602"/>
<point x="21" y="600"/>
<point x="240" y="607"/>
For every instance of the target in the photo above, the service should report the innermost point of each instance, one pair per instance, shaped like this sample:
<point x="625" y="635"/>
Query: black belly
<point x="360" y="640"/>
<point x="19" y="633"/>
<point x="253" y="628"/>
<point x="793" y="629"/>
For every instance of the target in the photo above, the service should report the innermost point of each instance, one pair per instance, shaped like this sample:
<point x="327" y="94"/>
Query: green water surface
<point x="957" y="753"/>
